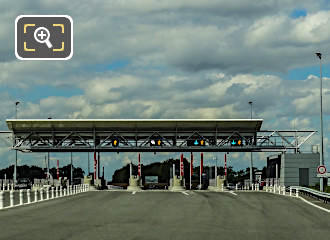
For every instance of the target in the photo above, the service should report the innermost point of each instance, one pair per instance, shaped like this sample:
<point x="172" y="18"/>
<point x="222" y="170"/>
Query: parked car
<point x="23" y="183"/>
<point x="231" y="186"/>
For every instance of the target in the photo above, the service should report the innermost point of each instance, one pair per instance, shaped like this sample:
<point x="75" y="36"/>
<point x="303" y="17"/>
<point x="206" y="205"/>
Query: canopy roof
<point x="22" y="125"/>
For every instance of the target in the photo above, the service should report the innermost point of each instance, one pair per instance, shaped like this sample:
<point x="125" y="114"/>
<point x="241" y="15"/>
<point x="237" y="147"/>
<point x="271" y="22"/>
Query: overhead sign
<point x="156" y="142"/>
<point x="115" y="142"/>
<point x="321" y="169"/>
<point x="196" y="142"/>
<point x="236" y="142"/>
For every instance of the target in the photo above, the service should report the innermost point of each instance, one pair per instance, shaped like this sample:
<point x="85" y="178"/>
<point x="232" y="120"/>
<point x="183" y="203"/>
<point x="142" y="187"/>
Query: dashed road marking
<point x="185" y="193"/>
<point x="134" y="192"/>
<point x="232" y="192"/>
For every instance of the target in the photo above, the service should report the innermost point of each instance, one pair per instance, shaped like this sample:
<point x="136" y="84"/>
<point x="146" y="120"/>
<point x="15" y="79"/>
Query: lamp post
<point x="251" y="159"/>
<point x="319" y="55"/>
<point x="15" y="168"/>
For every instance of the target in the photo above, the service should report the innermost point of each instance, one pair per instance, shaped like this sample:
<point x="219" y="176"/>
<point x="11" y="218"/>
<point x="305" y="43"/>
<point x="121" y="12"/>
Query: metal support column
<point x="71" y="171"/>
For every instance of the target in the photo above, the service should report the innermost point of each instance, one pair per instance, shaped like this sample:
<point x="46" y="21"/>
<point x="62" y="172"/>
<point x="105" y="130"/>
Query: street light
<point x="16" y="105"/>
<point x="319" y="55"/>
<point x="15" y="168"/>
<point x="251" y="159"/>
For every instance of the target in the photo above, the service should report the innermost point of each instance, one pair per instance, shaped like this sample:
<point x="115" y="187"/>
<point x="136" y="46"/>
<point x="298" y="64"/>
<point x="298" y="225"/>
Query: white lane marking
<point x="324" y="209"/>
<point x="185" y="193"/>
<point x="134" y="192"/>
<point x="233" y="193"/>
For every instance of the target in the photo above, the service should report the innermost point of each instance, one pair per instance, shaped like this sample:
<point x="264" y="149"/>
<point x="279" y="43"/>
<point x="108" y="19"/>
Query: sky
<point x="172" y="59"/>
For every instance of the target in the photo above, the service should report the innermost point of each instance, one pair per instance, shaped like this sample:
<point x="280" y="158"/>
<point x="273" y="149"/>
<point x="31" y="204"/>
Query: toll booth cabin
<point x="293" y="169"/>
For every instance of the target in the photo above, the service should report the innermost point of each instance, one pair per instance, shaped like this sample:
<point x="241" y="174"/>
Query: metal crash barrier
<point x="310" y="192"/>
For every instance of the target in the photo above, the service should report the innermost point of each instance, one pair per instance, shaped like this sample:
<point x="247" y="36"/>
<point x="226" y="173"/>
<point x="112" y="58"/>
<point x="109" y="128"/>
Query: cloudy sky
<point x="173" y="59"/>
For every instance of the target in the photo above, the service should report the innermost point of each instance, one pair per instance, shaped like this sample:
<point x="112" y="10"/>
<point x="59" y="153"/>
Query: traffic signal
<point x="115" y="142"/>
<point x="156" y="142"/>
<point x="196" y="142"/>
<point x="236" y="142"/>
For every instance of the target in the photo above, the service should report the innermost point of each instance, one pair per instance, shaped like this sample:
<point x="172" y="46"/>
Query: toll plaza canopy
<point x="145" y="135"/>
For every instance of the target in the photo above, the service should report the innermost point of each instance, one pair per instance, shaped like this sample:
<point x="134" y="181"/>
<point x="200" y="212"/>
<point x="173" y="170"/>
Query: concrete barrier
<point x="134" y="184"/>
<point x="28" y="193"/>
<point x="1" y="199"/>
<point x="11" y="196"/>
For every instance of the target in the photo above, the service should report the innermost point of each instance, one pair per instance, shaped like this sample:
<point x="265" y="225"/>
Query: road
<point x="166" y="215"/>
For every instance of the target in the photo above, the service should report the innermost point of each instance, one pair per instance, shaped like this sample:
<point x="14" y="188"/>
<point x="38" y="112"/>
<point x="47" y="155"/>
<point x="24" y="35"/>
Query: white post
<point x="222" y="187"/>
<point x="11" y="196"/>
<point x="28" y="193"/>
<point x="1" y="200"/>
<point x="35" y="195"/>
<point x="274" y="190"/>
<point x="61" y="191"/>
<point x="41" y="194"/>
<point x="21" y="197"/>
<point x="276" y="173"/>
<point x="56" y="192"/>
<point x="283" y="190"/>
<point x="279" y="189"/>
<point x="47" y="193"/>
<point x="52" y="192"/>
<point x="258" y="187"/>
<point x="297" y="192"/>
<point x="236" y="187"/>
<point x="290" y="191"/>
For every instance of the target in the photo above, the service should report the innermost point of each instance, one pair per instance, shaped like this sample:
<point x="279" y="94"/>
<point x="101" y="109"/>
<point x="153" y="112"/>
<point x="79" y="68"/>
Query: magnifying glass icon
<point x="41" y="35"/>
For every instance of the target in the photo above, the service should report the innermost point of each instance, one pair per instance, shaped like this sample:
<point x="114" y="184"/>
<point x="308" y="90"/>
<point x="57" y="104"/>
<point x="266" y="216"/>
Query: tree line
<point x="32" y="172"/>
<point x="162" y="170"/>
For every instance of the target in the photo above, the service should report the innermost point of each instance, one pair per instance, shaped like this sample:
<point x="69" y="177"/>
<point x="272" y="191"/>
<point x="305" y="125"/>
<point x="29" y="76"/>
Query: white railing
<point x="311" y="192"/>
<point x="49" y="194"/>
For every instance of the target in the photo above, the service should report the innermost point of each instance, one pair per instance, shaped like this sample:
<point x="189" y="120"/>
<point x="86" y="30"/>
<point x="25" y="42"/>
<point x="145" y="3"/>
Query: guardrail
<point x="311" y="192"/>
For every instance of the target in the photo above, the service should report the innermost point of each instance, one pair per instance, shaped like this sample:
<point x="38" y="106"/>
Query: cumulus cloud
<point x="185" y="59"/>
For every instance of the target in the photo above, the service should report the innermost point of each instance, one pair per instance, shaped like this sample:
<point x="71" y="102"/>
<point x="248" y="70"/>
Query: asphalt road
<point x="166" y="215"/>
